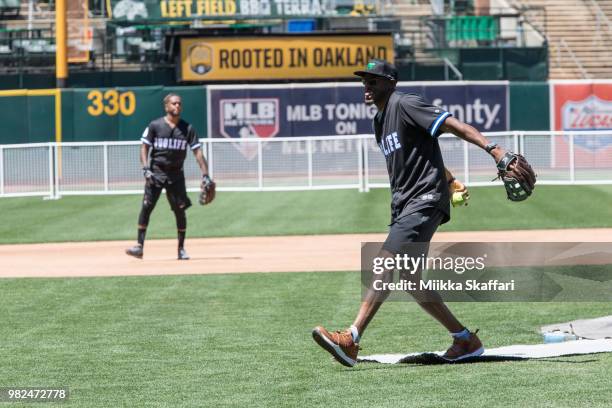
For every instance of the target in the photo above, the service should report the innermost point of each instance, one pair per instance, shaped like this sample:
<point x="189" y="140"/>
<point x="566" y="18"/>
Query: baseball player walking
<point x="167" y="140"/>
<point x="406" y="129"/>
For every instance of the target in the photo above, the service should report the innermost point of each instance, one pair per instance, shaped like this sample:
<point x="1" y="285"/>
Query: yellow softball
<point x="459" y="198"/>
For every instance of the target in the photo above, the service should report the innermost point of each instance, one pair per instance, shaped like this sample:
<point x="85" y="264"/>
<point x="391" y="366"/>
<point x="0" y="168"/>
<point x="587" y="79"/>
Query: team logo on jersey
<point x="589" y="114"/>
<point x="169" y="144"/>
<point x="249" y="118"/>
<point x="390" y="143"/>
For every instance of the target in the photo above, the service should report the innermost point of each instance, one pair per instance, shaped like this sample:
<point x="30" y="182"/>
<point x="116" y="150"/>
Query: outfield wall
<point x="294" y="110"/>
<point x="115" y="114"/>
<point x="29" y="116"/>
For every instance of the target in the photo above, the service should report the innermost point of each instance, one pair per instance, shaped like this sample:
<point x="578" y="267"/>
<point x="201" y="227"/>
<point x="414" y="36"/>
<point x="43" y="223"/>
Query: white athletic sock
<point x="465" y="333"/>
<point x="355" y="334"/>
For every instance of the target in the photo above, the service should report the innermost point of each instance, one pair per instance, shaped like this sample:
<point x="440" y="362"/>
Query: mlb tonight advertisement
<point x="268" y="111"/>
<point x="579" y="106"/>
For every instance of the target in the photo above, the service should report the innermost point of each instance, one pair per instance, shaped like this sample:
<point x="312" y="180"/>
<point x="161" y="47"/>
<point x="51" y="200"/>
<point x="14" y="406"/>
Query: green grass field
<point x="244" y="340"/>
<point x="290" y="213"/>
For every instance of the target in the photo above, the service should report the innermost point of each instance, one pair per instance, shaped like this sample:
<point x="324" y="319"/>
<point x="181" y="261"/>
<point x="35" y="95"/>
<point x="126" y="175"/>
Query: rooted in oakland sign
<point x="280" y="57"/>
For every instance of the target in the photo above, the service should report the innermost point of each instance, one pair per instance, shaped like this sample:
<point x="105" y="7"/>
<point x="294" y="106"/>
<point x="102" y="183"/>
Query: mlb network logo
<point x="249" y="118"/>
<point x="245" y="118"/>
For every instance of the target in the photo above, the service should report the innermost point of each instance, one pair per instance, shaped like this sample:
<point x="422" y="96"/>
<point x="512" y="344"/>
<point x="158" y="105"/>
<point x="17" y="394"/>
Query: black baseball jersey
<point x="169" y="145"/>
<point x="406" y="131"/>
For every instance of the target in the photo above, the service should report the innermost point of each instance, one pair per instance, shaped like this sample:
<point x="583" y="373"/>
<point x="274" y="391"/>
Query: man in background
<point x="164" y="146"/>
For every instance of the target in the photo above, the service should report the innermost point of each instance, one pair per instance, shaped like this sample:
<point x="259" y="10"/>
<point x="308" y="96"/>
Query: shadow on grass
<point x="435" y="359"/>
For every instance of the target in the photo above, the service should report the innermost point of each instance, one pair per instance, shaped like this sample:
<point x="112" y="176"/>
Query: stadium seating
<point x="421" y="40"/>
<point x="9" y="8"/>
<point x="6" y="56"/>
<point x="586" y="35"/>
<point x="35" y="52"/>
<point x="471" y="28"/>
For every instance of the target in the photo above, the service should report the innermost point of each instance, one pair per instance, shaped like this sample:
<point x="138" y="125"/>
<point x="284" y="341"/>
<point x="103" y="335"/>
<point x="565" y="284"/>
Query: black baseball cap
<point x="379" y="68"/>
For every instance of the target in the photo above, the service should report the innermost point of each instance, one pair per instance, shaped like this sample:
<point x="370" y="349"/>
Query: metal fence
<point x="285" y="164"/>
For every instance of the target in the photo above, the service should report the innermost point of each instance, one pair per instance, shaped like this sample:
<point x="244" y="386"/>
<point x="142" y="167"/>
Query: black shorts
<point x="416" y="227"/>
<point x="176" y="191"/>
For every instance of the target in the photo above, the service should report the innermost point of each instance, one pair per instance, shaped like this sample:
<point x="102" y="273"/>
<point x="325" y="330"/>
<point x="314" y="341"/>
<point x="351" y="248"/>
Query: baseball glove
<point x="517" y="175"/>
<point x="148" y="175"/>
<point x="207" y="190"/>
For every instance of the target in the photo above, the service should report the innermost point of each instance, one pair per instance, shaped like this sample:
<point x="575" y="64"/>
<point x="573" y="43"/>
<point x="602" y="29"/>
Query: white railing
<point x="601" y="19"/>
<point x="286" y="164"/>
<point x="448" y="64"/>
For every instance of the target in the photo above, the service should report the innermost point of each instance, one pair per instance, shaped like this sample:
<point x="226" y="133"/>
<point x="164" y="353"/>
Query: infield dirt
<point x="236" y="255"/>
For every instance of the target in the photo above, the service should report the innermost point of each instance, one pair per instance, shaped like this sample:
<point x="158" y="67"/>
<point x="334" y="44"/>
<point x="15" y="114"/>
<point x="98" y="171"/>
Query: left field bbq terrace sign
<point x="132" y="10"/>
<point x="280" y="57"/>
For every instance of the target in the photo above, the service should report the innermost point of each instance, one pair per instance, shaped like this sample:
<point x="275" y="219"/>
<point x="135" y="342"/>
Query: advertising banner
<point x="339" y="109"/>
<point x="268" y="111"/>
<point x="132" y="10"/>
<point x="280" y="57"/>
<point x="582" y="106"/>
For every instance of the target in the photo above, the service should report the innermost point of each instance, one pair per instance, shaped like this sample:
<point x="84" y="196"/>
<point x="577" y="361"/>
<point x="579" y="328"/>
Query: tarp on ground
<point x="516" y="352"/>
<point x="598" y="328"/>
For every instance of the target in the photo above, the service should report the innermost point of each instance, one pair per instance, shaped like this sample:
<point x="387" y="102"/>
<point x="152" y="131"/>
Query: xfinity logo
<point x="473" y="113"/>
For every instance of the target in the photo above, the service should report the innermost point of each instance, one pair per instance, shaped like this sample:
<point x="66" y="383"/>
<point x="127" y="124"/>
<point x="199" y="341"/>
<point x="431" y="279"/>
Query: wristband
<point x="490" y="147"/>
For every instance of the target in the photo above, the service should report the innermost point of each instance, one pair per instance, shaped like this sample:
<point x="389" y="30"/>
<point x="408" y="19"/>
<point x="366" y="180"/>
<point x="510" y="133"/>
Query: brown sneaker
<point x="464" y="348"/>
<point x="339" y="344"/>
